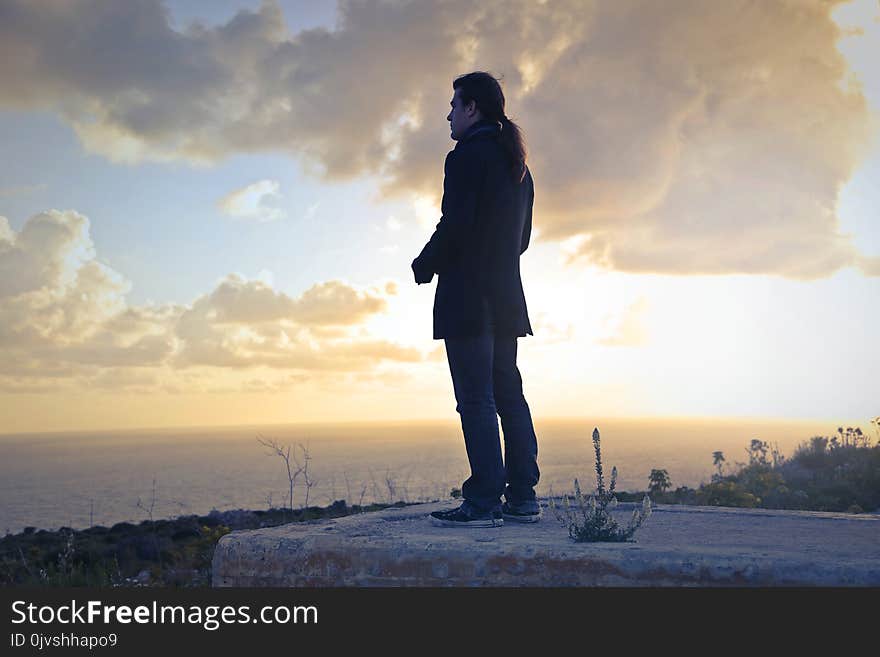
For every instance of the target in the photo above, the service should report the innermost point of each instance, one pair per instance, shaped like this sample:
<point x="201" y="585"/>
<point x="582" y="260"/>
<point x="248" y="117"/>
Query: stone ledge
<point x="677" y="546"/>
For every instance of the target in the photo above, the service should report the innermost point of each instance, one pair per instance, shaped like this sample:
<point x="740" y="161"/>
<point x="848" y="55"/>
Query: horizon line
<point x="435" y="420"/>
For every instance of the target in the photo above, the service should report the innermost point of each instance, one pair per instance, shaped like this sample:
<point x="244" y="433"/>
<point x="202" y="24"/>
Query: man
<point x="479" y="305"/>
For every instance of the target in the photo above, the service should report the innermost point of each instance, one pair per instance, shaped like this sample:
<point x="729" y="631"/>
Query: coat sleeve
<point x="461" y="184"/>
<point x="527" y="226"/>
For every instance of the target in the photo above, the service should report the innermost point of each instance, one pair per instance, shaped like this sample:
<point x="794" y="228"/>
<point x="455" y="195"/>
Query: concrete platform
<point x="676" y="546"/>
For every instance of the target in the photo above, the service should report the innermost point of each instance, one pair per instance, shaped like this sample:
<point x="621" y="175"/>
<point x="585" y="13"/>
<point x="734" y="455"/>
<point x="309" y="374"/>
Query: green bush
<point x="839" y="473"/>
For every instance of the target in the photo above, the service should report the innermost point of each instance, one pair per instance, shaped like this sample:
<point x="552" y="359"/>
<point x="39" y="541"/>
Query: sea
<point x="86" y="478"/>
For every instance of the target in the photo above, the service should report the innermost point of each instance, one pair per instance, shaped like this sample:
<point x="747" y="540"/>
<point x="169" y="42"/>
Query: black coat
<point x="475" y="249"/>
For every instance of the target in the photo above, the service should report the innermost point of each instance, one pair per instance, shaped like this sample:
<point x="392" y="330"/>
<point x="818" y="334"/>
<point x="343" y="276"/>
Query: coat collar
<point x="481" y="127"/>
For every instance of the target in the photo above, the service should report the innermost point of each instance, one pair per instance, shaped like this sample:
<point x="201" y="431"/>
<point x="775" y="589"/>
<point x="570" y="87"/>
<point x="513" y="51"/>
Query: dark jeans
<point x="487" y="381"/>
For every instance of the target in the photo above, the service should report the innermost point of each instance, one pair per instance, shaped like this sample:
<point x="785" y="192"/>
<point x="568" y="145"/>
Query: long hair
<point x="484" y="89"/>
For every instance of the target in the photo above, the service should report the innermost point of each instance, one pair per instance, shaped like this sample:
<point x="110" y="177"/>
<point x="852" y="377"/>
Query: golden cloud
<point x="693" y="137"/>
<point x="64" y="321"/>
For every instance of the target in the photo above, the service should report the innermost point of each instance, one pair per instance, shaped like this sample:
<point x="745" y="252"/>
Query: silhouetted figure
<point x="479" y="305"/>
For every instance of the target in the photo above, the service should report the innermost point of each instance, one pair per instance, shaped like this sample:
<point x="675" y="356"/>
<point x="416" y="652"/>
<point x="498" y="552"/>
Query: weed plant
<point x="591" y="521"/>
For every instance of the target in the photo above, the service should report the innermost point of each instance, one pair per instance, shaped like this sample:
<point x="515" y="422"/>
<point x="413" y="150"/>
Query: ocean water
<point x="75" y="479"/>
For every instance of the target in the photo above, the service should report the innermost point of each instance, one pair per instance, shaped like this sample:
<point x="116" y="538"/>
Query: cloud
<point x="701" y="137"/>
<point x="334" y="302"/>
<point x="65" y="322"/>
<point x="549" y="329"/>
<point x="311" y="211"/>
<point x="390" y="378"/>
<point x="251" y="202"/>
<point x="63" y="312"/>
<point x="271" y="385"/>
<point x="48" y="251"/>
<point x="629" y="329"/>
<point x="129" y="379"/>
<point x="438" y="353"/>
<point x="243" y="324"/>
<point x="870" y="265"/>
<point x="7" y="192"/>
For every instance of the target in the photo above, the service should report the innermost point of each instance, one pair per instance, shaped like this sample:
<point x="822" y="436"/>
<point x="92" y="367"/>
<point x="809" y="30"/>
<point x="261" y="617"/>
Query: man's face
<point x="461" y="117"/>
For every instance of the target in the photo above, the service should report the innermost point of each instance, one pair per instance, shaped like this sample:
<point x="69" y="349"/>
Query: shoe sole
<point x="488" y="522"/>
<point x="526" y="518"/>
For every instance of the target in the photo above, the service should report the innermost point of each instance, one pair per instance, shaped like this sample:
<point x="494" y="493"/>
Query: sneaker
<point x="512" y="513"/>
<point x="460" y="518"/>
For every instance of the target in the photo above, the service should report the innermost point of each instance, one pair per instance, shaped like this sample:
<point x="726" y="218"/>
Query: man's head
<point x="462" y="115"/>
<point x="476" y="96"/>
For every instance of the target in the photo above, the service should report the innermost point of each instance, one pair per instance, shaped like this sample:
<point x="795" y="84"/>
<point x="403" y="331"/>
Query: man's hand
<point x="422" y="275"/>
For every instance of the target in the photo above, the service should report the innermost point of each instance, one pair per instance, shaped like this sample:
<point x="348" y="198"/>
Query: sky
<point x="208" y="209"/>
